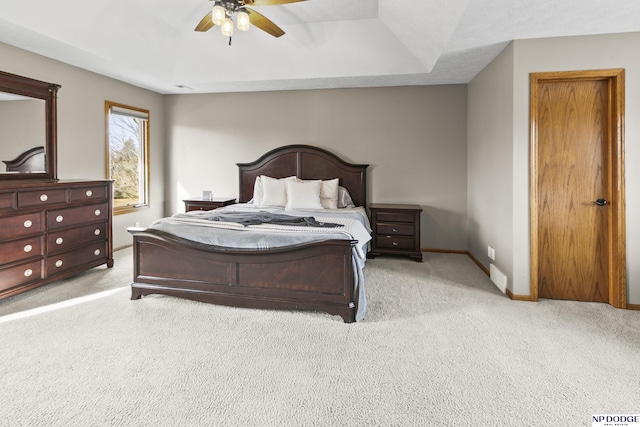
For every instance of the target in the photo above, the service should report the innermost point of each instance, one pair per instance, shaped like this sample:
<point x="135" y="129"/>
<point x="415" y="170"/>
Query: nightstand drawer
<point x="395" y="217"/>
<point x="395" y="229"/>
<point x="395" y="242"/>
<point x="208" y="204"/>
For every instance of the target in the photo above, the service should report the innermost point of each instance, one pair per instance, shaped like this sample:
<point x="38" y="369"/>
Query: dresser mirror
<point x="28" y="128"/>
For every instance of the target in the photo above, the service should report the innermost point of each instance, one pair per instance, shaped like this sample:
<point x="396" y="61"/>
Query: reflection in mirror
<point x="28" y="128"/>
<point x="22" y="134"/>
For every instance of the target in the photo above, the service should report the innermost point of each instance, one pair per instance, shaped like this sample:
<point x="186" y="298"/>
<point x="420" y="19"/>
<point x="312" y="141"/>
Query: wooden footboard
<point x="314" y="276"/>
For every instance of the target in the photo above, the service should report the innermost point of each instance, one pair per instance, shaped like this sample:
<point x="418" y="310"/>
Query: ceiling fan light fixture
<point x="227" y="27"/>
<point x="218" y="14"/>
<point x="243" y="21"/>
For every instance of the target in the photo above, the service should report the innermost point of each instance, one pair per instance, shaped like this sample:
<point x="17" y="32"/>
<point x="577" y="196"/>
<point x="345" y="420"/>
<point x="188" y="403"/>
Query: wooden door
<point x="576" y="172"/>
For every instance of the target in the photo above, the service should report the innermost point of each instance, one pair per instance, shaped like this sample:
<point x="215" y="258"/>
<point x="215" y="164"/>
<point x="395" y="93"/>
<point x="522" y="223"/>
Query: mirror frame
<point x="48" y="92"/>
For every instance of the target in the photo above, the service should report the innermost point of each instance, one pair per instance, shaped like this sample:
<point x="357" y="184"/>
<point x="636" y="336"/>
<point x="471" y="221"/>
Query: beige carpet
<point x="440" y="346"/>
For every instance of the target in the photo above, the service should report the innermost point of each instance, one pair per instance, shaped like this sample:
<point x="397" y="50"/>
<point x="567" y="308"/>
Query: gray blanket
<point x="264" y="217"/>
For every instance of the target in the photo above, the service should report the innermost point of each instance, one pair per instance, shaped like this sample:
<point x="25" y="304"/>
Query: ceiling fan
<point x="224" y="10"/>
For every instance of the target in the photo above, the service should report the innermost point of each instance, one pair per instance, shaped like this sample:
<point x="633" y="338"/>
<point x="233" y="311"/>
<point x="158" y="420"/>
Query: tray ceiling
<point x="328" y="43"/>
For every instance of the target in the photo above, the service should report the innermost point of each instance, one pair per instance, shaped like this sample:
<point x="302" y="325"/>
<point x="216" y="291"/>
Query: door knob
<point x="600" y="202"/>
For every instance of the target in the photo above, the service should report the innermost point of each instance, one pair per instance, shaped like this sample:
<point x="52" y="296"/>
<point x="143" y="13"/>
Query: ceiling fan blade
<point x="265" y="24"/>
<point x="205" y="24"/>
<point x="269" y="2"/>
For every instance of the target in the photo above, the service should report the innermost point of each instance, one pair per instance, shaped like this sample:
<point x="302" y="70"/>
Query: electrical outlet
<point x="491" y="253"/>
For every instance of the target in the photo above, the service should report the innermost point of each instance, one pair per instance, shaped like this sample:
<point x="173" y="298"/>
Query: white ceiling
<point x="328" y="43"/>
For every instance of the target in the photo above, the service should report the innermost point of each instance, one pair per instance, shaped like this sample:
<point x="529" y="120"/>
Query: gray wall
<point x="81" y="125"/>
<point x="414" y="139"/>
<point x="523" y="58"/>
<point x="490" y="154"/>
<point x="22" y="127"/>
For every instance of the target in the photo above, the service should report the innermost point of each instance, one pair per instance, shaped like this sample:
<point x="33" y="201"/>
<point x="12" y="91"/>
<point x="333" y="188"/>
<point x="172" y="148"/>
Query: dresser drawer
<point x="61" y="218"/>
<point x="20" y="226"/>
<point x="395" y="242"/>
<point x="47" y="197"/>
<point x="88" y="193"/>
<point x="404" y="229"/>
<point x="6" y="200"/>
<point x="95" y="253"/>
<point x="20" y="274"/>
<point x="395" y="217"/>
<point x="20" y="249"/>
<point x="66" y="239"/>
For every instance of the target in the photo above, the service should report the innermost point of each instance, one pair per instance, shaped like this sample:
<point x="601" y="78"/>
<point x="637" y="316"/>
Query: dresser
<point x="200" y="204"/>
<point x="396" y="230"/>
<point x="52" y="230"/>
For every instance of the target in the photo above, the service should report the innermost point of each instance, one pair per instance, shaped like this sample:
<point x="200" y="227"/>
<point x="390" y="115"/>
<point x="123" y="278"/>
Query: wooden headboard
<point x="31" y="160"/>
<point x="305" y="162"/>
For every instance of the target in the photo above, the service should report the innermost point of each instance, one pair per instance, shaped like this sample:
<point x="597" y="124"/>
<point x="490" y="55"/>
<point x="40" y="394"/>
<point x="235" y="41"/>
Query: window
<point x="128" y="156"/>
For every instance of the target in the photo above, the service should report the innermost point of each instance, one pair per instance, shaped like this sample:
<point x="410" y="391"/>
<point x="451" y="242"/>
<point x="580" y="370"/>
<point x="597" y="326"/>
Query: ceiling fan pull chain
<point x="229" y="40"/>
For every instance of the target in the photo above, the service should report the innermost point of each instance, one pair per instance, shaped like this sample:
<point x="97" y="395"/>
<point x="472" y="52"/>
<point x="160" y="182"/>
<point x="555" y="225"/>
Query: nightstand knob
<point x="44" y="197"/>
<point x="28" y="272"/>
<point x="28" y="223"/>
<point x="97" y="212"/>
<point x="59" y="218"/>
<point x="28" y="248"/>
<point x="59" y="263"/>
<point x="59" y="241"/>
<point x="89" y="193"/>
<point x="96" y="252"/>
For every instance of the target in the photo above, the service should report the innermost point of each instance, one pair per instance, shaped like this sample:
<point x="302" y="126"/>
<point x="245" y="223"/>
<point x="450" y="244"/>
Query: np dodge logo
<point x="617" y="420"/>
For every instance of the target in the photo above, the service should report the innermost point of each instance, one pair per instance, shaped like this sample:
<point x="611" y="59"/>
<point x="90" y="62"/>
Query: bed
<point x="320" y="275"/>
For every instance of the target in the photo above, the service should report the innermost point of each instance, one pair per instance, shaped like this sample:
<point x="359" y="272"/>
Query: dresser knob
<point x="89" y="193"/>
<point x="28" y="248"/>
<point x="59" y="241"/>
<point x="97" y="212"/>
<point x="394" y="244"/>
<point x="28" y="223"/>
<point x="59" y="263"/>
<point x="394" y="230"/>
<point x="59" y="218"/>
<point x="96" y="252"/>
<point x="43" y="197"/>
<point x="28" y="272"/>
<point x="97" y="232"/>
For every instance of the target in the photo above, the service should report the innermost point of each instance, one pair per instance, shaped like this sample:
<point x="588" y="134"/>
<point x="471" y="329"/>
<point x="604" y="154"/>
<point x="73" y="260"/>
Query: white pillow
<point x="329" y="193"/>
<point x="257" y="191"/>
<point x="344" y="198"/>
<point x="303" y="194"/>
<point x="276" y="191"/>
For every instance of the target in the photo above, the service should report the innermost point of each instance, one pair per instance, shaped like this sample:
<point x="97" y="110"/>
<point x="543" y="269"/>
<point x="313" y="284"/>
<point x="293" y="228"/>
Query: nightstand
<point x="396" y="230"/>
<point x="200" y="204"/>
